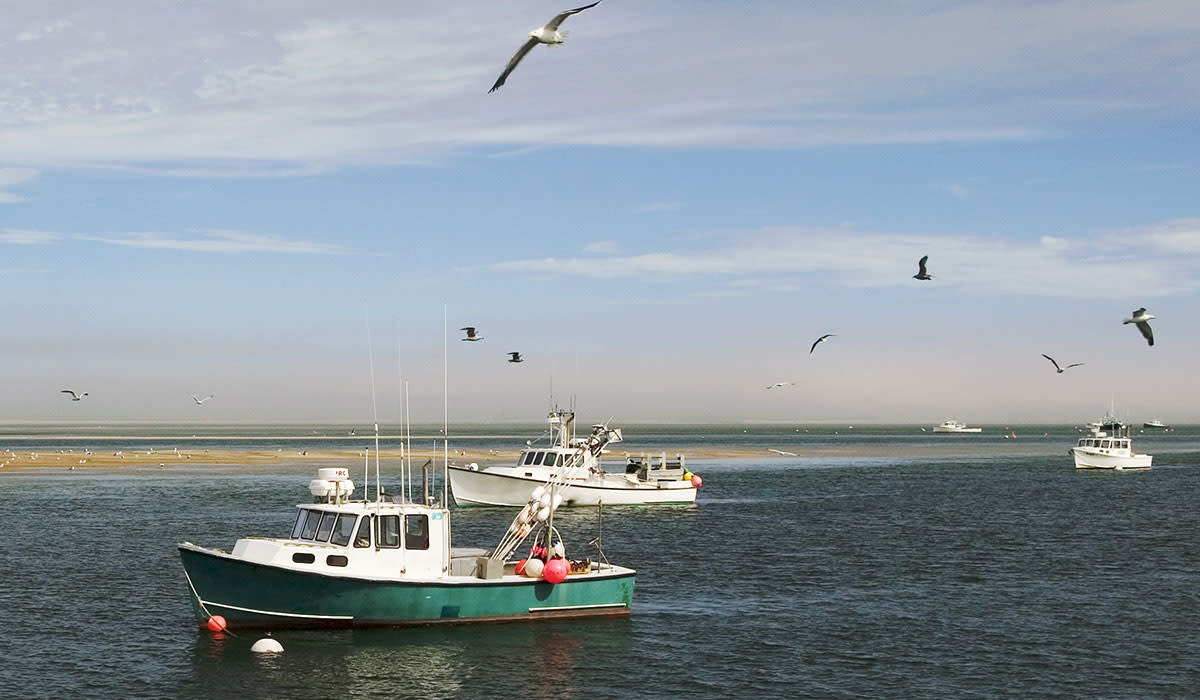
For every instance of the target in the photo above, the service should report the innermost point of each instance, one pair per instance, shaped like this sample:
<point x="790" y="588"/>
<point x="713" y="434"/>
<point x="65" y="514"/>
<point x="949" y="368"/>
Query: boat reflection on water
<point x="540" y="661"/>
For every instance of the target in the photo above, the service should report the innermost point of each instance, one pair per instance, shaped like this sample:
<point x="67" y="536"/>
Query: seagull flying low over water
<point x="1060" y="370"/>
<point x="921" y="272"/>
<point x="549" y="34"/>
<point x="776" y="385"/>
<point x="471" y="333"/>
<point x="819" y="341"/>
<point x="781" y="452"/>
<point x="74" y="396"/>
<point x="515" y="357"/>
<point x="1140" y="318"/>
<point x="200" y="401"/>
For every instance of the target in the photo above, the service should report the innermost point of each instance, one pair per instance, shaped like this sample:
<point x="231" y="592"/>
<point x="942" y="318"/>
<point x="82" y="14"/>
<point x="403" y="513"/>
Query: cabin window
<point x="387" y="533"/>
<point x="416" y="532"/>
<point x="336" y="560"/>
<point x="310" y="524"/>
<point x="303" y="558"/>
<point x="363" y="538"/>
<point x="529" y="458"/>
<point x="1106" y="443"/>
<point x="299" y="526"/>
<point x="558" y="461"/>
<point x="326" y="527"/>
<point x="344" y="529"/>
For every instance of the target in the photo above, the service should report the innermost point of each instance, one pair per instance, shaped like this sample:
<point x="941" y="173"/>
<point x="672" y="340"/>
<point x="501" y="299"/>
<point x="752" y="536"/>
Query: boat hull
<point x="1088" y="459"/>
<point x="482" y="488"/>
<point x="251" y="595"/>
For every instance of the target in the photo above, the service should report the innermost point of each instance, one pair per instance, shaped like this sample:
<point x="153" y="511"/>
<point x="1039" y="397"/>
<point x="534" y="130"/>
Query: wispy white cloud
<point x="203" y="242"/>
<point x="319" y="85"/>
<point x="1152" y="261"/>
<point x="14" y="176"/>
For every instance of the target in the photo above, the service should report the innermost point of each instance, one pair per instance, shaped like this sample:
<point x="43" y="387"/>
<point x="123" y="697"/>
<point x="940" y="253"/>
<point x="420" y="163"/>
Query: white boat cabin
<point x="1106" y="445"/>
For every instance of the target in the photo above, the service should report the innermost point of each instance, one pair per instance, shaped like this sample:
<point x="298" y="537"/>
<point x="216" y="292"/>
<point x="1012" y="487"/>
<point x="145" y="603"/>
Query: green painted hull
<point x="250" y="595"/>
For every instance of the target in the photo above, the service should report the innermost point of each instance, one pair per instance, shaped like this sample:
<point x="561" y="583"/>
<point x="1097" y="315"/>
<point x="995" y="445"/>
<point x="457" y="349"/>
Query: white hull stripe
<point x="277" y="614"/>
<point x="578" y="607"/>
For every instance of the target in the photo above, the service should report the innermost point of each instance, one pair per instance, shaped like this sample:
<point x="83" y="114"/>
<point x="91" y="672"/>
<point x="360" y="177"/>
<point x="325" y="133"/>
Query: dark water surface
<point x="968" y="575"/>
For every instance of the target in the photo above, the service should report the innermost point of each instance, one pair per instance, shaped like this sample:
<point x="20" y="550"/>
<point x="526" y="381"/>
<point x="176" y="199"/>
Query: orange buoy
<point x="556" y="570"/>
<point x="697" y="481"/>
<point x="216" y="623"/>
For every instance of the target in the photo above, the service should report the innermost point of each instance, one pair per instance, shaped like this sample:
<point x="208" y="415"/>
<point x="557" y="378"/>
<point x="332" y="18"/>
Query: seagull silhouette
<point x="74" y="396"/>
<point x="819" y="341"/>
<point x="776" y="385"/>
<point x="1060" y="370"/>
<point x="471" y="333"/>
<point x="921" y="273"/>
<point x="515" y="357"/>
<point x="200" y="401"/>
<point x="548" y="34"/>
<point x="1140" y="319"/>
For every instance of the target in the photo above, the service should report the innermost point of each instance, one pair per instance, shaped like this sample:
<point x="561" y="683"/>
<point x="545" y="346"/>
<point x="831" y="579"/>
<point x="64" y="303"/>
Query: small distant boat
<point x="647" y="480"/>
<point x="1109" y="447"/>
<point x="1156" y="423"/>
<point x="955" y="426"/>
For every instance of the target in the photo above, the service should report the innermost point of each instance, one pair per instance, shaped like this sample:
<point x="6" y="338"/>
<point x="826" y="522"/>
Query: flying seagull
<point x="515" y="357"/>
<point x="1060" y="370"/>
<point x="921" y="273"/>
<point x="74" y="396"/>
<point x="548" y="34"/>
<point x="200" y="401"/>
<point x="1140" y="318"/>
<point x="471" y="333"/>
<point x="776" y="385"/>
<point x="781" y="452"/>
<point x="819" y="341"/>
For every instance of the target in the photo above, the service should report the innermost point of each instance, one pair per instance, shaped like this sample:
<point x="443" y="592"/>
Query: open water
<point x="979" y="568"/>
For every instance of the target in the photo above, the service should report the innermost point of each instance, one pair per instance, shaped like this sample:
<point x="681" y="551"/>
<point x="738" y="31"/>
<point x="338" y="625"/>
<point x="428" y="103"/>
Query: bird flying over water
<point x="1140" y="319"/>
<point x="471" y="333"/>
<point x="515" y="357"/>
<point x="922" y="274"/>
<point x="820" y="340"/>
<point x="1060" y="370"/>
<point x="74" y="396"/>
<point x="200" y="401"/>
<point x="549" y="34"/>
<point x="776" y="385"/>
<point x="781" y="452"/>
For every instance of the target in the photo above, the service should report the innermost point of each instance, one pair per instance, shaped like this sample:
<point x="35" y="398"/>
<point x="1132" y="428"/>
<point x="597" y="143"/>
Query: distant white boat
<point x="650" y="480"/>
<point x="1156" y="423"/>
<point x="1108" y="447"/>
<point x="955" y="426"/>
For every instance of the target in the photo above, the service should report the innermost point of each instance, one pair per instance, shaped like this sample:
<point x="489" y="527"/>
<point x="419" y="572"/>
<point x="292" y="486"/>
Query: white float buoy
<point x="266" y="645"/>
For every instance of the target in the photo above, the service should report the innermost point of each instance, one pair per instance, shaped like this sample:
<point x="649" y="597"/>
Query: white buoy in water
<point x="266" y="645"/>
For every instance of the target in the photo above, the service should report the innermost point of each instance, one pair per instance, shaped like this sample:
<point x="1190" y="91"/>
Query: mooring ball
<point x="556" y="570"/>
<point x="697" y="481"/>
<point x="533" y="568"/>
<point x="216" y="623"/>
<point x="266" y="645"/>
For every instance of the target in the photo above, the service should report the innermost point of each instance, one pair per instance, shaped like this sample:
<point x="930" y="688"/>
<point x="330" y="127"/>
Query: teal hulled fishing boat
<point x="389" y="562"/>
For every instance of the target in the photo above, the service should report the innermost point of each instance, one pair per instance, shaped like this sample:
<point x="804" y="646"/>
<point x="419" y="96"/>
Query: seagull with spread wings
<point x="471" y="334"/>
<point x="549" y="34"/>
<point x="200" y="401"/>
<point x="1060" y="370"/>
<point x="1141" y="319"/>
<point x="818" y="341"/>
<point x="75" y="396"/>
<point x="515" y="357"/>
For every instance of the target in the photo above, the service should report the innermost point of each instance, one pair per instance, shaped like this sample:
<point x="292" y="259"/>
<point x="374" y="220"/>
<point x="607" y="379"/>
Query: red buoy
<point x="520" y="570"/>
<point x="556" y="570"/>
<point x="216" y="623"/>
<point x="697" y="481"/>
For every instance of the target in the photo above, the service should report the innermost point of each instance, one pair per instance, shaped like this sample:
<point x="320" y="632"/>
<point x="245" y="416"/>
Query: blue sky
<point x="661" y="214"/>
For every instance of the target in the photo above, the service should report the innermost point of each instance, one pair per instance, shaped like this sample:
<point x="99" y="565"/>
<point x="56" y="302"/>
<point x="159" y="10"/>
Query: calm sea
<point x="935" y="567"/>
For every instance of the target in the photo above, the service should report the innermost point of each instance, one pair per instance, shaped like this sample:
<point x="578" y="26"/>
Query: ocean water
<point x="910" y="568"/>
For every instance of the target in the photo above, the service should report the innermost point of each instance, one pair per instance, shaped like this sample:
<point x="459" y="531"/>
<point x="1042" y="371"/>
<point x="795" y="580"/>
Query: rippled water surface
<point x="977" y="573"/>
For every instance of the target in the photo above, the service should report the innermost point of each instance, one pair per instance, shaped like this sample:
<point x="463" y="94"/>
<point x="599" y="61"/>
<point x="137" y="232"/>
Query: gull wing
<point x="1146" y="332"/>
<point x="558" y="19"/>
<point x="921" y="264"/>
<point x="1053" y="362"/>
<point x="512" y="62"/>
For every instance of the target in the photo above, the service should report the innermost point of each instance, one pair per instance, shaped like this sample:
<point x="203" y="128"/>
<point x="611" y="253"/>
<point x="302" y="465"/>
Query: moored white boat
<point x="954" y="426"/>
<point x="1155" y="423"/>
<point x="1109" y="447"/>
<point x="649" y="480"/>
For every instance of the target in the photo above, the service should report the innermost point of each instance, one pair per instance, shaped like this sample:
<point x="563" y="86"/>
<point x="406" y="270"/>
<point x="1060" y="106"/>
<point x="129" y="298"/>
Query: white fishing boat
<point x="646" y="480"/>
<point x="1155" y="423"/>
<point x="1108" y="447"/>
<point x="955" y="426"/>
